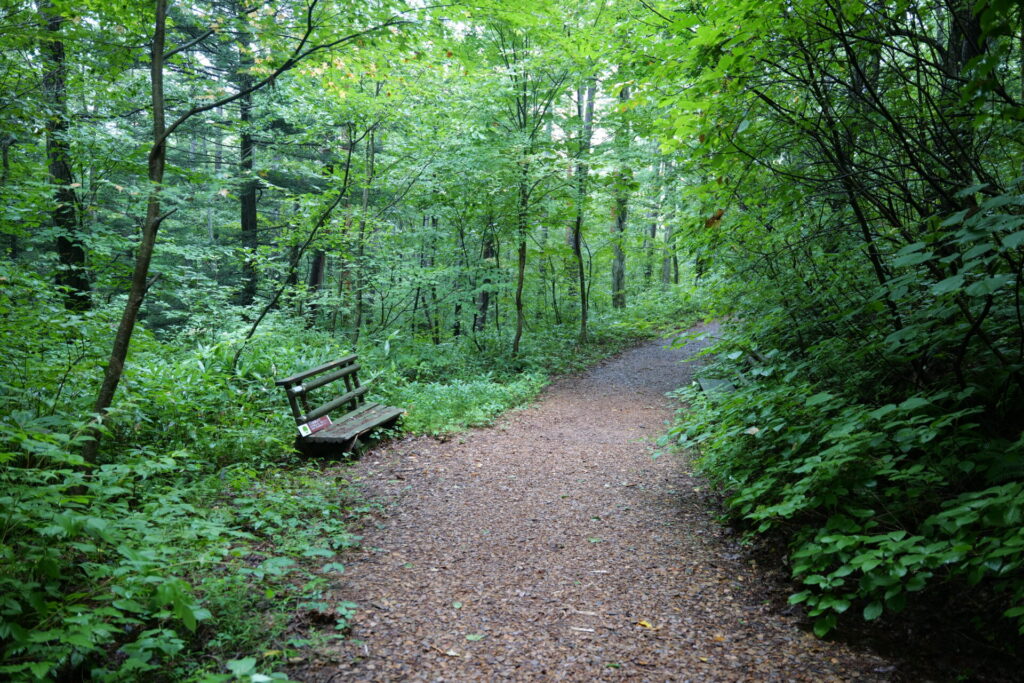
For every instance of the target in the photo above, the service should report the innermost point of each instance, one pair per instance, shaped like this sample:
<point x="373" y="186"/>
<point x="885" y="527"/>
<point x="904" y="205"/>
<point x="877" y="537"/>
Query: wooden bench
<point x="316" y="426"/>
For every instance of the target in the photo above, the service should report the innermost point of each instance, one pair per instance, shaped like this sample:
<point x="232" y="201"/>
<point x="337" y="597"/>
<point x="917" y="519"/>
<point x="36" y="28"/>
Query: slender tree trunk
<point x="72" y="277"/>
<point x="624" y="176"/>
<point x="364" y="206"/>
<point x="317" y="270"/>
<point x="5" y="168"/>
<point x="157" y="157"/>
<point x="522" y="219"/>
<point x="554" y="297"/>
<point x="246" y="151"/>
<point x="497" y="293"/>
<point x="651" y="239"/>
<point x="204" y="152"/>
<point x="585" y="109"/>
<point x="435" y="327"/>
<point x="483" y="298"/>
<point x="668" y="258"/>
<point x="619" y="259"/>
<point x="542" y="273"/>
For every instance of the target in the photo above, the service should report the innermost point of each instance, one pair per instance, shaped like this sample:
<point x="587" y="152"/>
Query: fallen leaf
<point x="644" y="624"/>
<point x="475" y="636"/>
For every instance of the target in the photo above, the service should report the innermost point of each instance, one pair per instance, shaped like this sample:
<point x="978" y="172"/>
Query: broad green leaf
<point x="872" y="611"/>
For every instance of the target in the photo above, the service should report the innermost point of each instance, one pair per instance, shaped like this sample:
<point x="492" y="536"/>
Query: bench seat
<point x="354" y="424"/>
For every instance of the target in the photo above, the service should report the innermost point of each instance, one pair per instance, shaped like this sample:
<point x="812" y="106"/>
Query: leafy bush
<point x="119" y="569"/>
<point x="878" y="501"/>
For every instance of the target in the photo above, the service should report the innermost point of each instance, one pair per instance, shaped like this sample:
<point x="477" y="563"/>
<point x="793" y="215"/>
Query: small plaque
<point x="314" y="426"/>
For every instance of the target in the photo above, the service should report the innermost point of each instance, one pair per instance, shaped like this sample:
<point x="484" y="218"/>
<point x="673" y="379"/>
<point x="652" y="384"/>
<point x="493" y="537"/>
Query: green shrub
<point x="438" y="408"/>
<point x="877" y="501"/>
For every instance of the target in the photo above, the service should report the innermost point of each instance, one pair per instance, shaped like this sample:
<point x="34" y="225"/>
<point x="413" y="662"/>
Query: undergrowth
<point x="197" y="547"/>
<point x="882" y="497"/>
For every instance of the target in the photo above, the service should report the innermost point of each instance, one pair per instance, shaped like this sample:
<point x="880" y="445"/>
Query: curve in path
<point x="552" y="546"/>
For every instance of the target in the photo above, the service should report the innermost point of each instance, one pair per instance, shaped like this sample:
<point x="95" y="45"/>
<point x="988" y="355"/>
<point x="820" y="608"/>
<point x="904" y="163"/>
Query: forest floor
<point x="554" y="546"/>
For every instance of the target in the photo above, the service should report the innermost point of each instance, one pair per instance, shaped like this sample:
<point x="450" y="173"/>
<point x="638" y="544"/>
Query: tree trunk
<point x="435" y="326"/>
<point x="619" y="260"/>
<point x="364" y="206"/>
<point x="157" y="157"/>
<point x="520" y="315"/>
<point x="71" y="277"/>
<point x="621" y="193"/>
<point x="667" y="260"/>
<point x="522" y="217"/>
<point x="651" y="238"/>
<point x="317" y="269"/>
<point x="246" y="152"/>
<point x="5" y="168"/>
<point x="497" y="292"/>
<point x="585" y="109"/>
<point x="483" y="298"/>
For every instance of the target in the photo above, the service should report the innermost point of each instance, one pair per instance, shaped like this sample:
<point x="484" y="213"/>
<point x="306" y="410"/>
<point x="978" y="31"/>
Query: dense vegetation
<point x="201" y="197"/>
<point x="198" y="197"/>
<point x="869" y="159"/>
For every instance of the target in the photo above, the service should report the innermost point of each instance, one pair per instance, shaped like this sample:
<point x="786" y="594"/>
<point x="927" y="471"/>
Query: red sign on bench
<point x="314" y="426"/>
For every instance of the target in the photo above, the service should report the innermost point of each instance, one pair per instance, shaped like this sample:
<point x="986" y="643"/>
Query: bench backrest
<point x="299" y="385"/>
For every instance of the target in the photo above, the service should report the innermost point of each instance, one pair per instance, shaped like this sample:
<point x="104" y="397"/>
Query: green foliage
<point x="862" y="231"/>
<point x="437" y="408"/>
<point x="877" y="501"/>
<point x="127" y="568"/>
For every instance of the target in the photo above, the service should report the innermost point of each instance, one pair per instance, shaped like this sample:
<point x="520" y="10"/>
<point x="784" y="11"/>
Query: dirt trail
<point x="552" y="546"/>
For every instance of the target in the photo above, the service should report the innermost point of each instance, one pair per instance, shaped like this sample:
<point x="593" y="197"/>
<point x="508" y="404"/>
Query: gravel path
<point x="552" y="546"/>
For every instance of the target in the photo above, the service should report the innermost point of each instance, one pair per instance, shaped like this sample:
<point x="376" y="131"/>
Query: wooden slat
<point x="326" y="379"/>
<point x="351" y="416"/>
<point x="336" y="403"/>
<point x="365" y="423"/>
<point x="294" y="379"/>
<point x="356" y="423"/>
